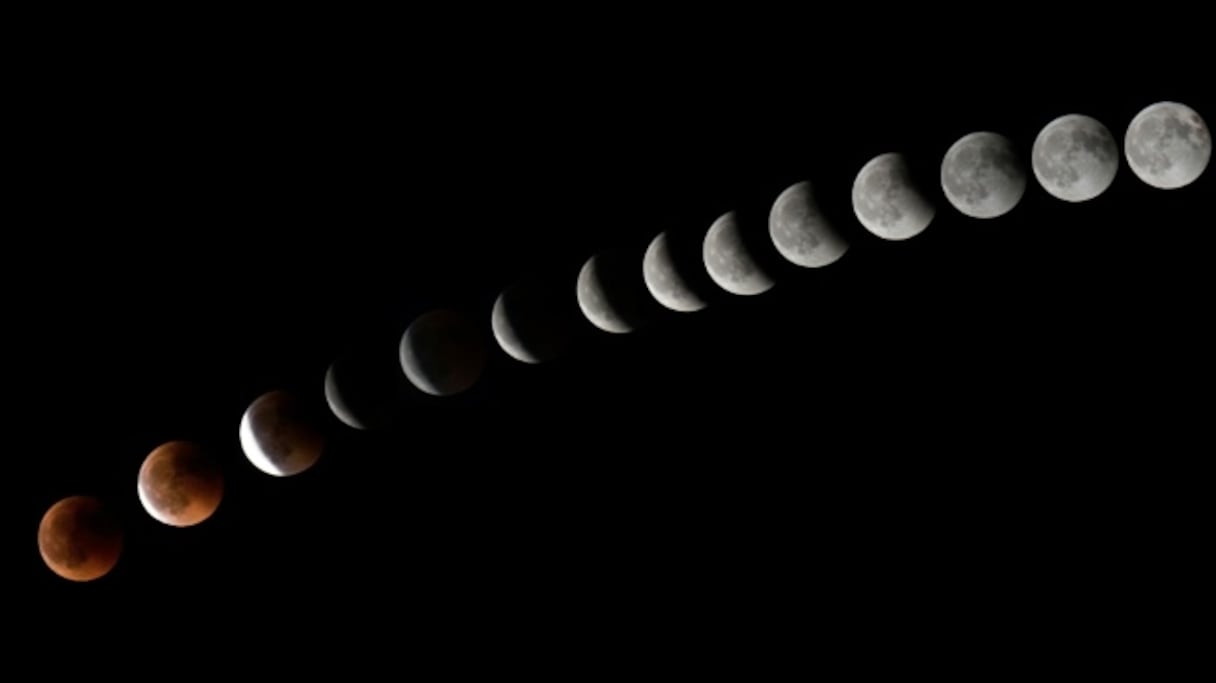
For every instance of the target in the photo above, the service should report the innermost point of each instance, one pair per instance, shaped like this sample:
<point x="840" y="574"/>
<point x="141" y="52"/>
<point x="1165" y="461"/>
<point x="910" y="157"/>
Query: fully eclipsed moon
<point x="728" y="260"/>
<point x="887" y="201"/>
<point x="442" y="353"/>
<point x="180" y="484"/>
<point x="983" y="176"/>
<point x="665" y="281"/>
<point x="279" y="435"/>
<point x="800" y="231"/>
<point x="610" y="291"/>
<point x="1168" y="145"/>
<point x="80" y="539"/>
<point x="1075" y="158"/>
<point x="529" y="322"/>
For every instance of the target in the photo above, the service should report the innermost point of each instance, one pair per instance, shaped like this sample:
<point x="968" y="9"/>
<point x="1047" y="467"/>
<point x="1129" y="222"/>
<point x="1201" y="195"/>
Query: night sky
<point x="995" y="408"/>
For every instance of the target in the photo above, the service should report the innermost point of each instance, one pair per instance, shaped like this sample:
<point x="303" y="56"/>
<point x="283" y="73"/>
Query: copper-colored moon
<point x="180" y="484"/>
<point x="80" y="539"/>
<point x="280" y="435"/>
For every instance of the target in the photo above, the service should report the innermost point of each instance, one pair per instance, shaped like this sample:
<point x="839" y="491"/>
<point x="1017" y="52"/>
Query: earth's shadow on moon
<point x="618" y="277"/>
<point x="684" y="249"/>
<point x="365" y="387"/>
<point x="537" y="320"/>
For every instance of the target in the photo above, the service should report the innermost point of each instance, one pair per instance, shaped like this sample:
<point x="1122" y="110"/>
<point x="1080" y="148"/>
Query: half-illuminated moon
<point x="728" y="261"/>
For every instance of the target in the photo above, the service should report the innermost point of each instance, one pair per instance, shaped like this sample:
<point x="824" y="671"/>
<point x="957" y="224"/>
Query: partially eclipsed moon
<point x="180" y="484"/>
<point x="80" y="539"/>
<point x="609" y="285"/>
<point x="442" y="353"/>
<point x="887" y="201"/>
<point x="983" y="176"/>
<point x="1168" y="145"/>
<point x="728" y="260"/>
<point x="664" y="280"/>
<point x="529" y="323"/>
<point x="800" y="231"/>
<point x="278" y="435"/>
<point x="1075" y="158"/>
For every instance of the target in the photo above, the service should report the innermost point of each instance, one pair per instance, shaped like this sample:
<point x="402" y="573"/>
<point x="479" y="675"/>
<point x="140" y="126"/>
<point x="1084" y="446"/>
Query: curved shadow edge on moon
<point x="80" y="538"/>
<point x="886" y="200"/>
<point x="728" y="261"/>
<point x="983" y="176"/>
<point x="800" y="231"/>
<point x="1075" y="158"/>
<point x="603" y="307"/>
<point x="1168" y="145"/>
<point x="180" y="484"/>
<point x="664" y="281"/>
<point x="442" y="353"/>
<point x="277" y="436"/>
<point x="336" y="399"/>
<point x="529" y="323"/>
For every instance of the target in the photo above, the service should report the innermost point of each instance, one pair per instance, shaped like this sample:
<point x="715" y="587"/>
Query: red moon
<point x="80" y="539"/>
<point x="180" y="484"/>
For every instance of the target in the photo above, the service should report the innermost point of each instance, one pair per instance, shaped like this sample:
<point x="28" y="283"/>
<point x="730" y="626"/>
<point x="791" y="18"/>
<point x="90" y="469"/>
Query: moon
<point x="337" y="400"/>
<point x="278" y="435"/>
<point x="80" y="539"/>
<point x="983" y="176"/>
<point x="1168" y="145"/>
<point x="528" y="323"/>
<point x="728" y="260"/>
<point x="887" y="201"/>
<point x="442" y="353"/>
<point x="1075" y="158"/>
<point x="180" y="485"/>
<point x="364" y="387"/>
<point x="609" y="292"/>
<point x="664" y="280"/>
<point x="800" y="231"/>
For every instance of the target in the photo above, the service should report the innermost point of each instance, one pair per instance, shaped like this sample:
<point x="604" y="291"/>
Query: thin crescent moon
<point x="337" y="405"/>
<point x="253" y="449"/>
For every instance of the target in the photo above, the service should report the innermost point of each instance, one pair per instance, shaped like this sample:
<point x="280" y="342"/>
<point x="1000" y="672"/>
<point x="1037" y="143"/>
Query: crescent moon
<point x="337" y="402"/>
<point x="529" y="323"/>
<point x="663" y="278"/>
<point x="442" y="353"/>
<point x="728" y="260"/>
<point x="605" y="293"/>
<point x="276" y="437"/>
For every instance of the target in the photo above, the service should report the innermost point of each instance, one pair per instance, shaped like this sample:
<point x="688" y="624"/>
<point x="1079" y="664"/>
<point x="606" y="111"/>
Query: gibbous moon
<point x="1168" y="145"/>
<point x="610" y="291"/>
<point x="887" y="201"/>
<point x="279" y="436"/>
<point x="663" y="278"/>
<point x="529" y="323"/>
<point x="180" y="484"/>
<point x="80" y="539"/>
<point x="442" y="353"/>
<point x="728" y="261"/>
<point x="983" y="176"/>
<point x="800" y="231"/>
<point x="1075" y="158"/>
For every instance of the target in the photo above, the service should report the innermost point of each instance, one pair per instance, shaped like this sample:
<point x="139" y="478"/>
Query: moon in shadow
<point x="529" y="322"/>
<point x="731" y="266"/>
<point x="664" y="279"/>
<point x="611" y="290"/>
<point x="364" y="387"/>
<point x="1168" y="145"/>
<point x="1075" y="158"/>
<point x="442" y="353"/>
<point x="887" y="201"/>
<point x="800" y="231"/>
<point x="983" y="176"/>
<point x="279" y="436"/>
<point x="180" y="484"/>
<point x="80" y="539"/>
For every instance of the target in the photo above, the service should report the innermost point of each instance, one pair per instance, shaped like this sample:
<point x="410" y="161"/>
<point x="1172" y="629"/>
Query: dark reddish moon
<point x="80" y="539"/>
<point x="180" y="484"/>
<point x="279" y="434"/>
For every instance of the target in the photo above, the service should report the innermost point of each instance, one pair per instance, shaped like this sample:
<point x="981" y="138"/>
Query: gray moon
<point x="887" y="201"/>
<point x="442" y="353"/>
<point x="983" y="176"/>
<point x="1168" y="145"/>
<point x="1075" y="158"/>
<point x="528" y="324"/>
<point x="335" y="398"/>
<point x="663" y="278"/>
<point x="728" y="260"/>
<point x="606" y="292"/>
<point x="279" y="436"/>
<point x="800" y="231"/>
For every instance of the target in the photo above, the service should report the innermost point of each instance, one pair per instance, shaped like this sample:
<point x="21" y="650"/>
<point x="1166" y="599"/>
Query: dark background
<point x="995" y="417"/>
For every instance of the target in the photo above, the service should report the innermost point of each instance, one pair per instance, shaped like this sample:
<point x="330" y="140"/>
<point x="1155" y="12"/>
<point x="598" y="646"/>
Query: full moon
<point x="728" y="260"/>
<point x="609" y="285"/>
<point x="80" y="539"/>
<point x="1075" y="158"/>
<point x="180" y="484"/>
<point x="983" y="176"/>
<point x="887" y="201"/>
<point x="442" y="353"/>
<point x="665" y="281"/>
<point x="1168" y="145"/>
<point x="278" y="435"/>
<point x="529" y="324"/>
<point x="800" y="231"/>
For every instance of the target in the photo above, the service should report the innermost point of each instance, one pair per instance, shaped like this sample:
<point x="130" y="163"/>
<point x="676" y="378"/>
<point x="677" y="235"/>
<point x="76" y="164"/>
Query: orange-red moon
<point x="180" y="484"/>
<point x="80" y="538"/>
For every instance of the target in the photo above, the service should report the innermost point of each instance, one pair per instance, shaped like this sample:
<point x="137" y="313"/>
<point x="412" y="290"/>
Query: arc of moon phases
<point x="608" y="291"/>
<point x="278" y="435"/>
<point x="442" y="353"/>
<point x="1075" y="158"/>
<point x="80" y="539"/>
<point x="1168" y="145"/>
<point x="664" y="280"/>
<point x="800" y="231"/>
<point x="887" y="201"/>
<point x="528" y="323"/>
<point x="731" y="266"/>
<point x="983" y="176"/>
<point x="180" y="484"/>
